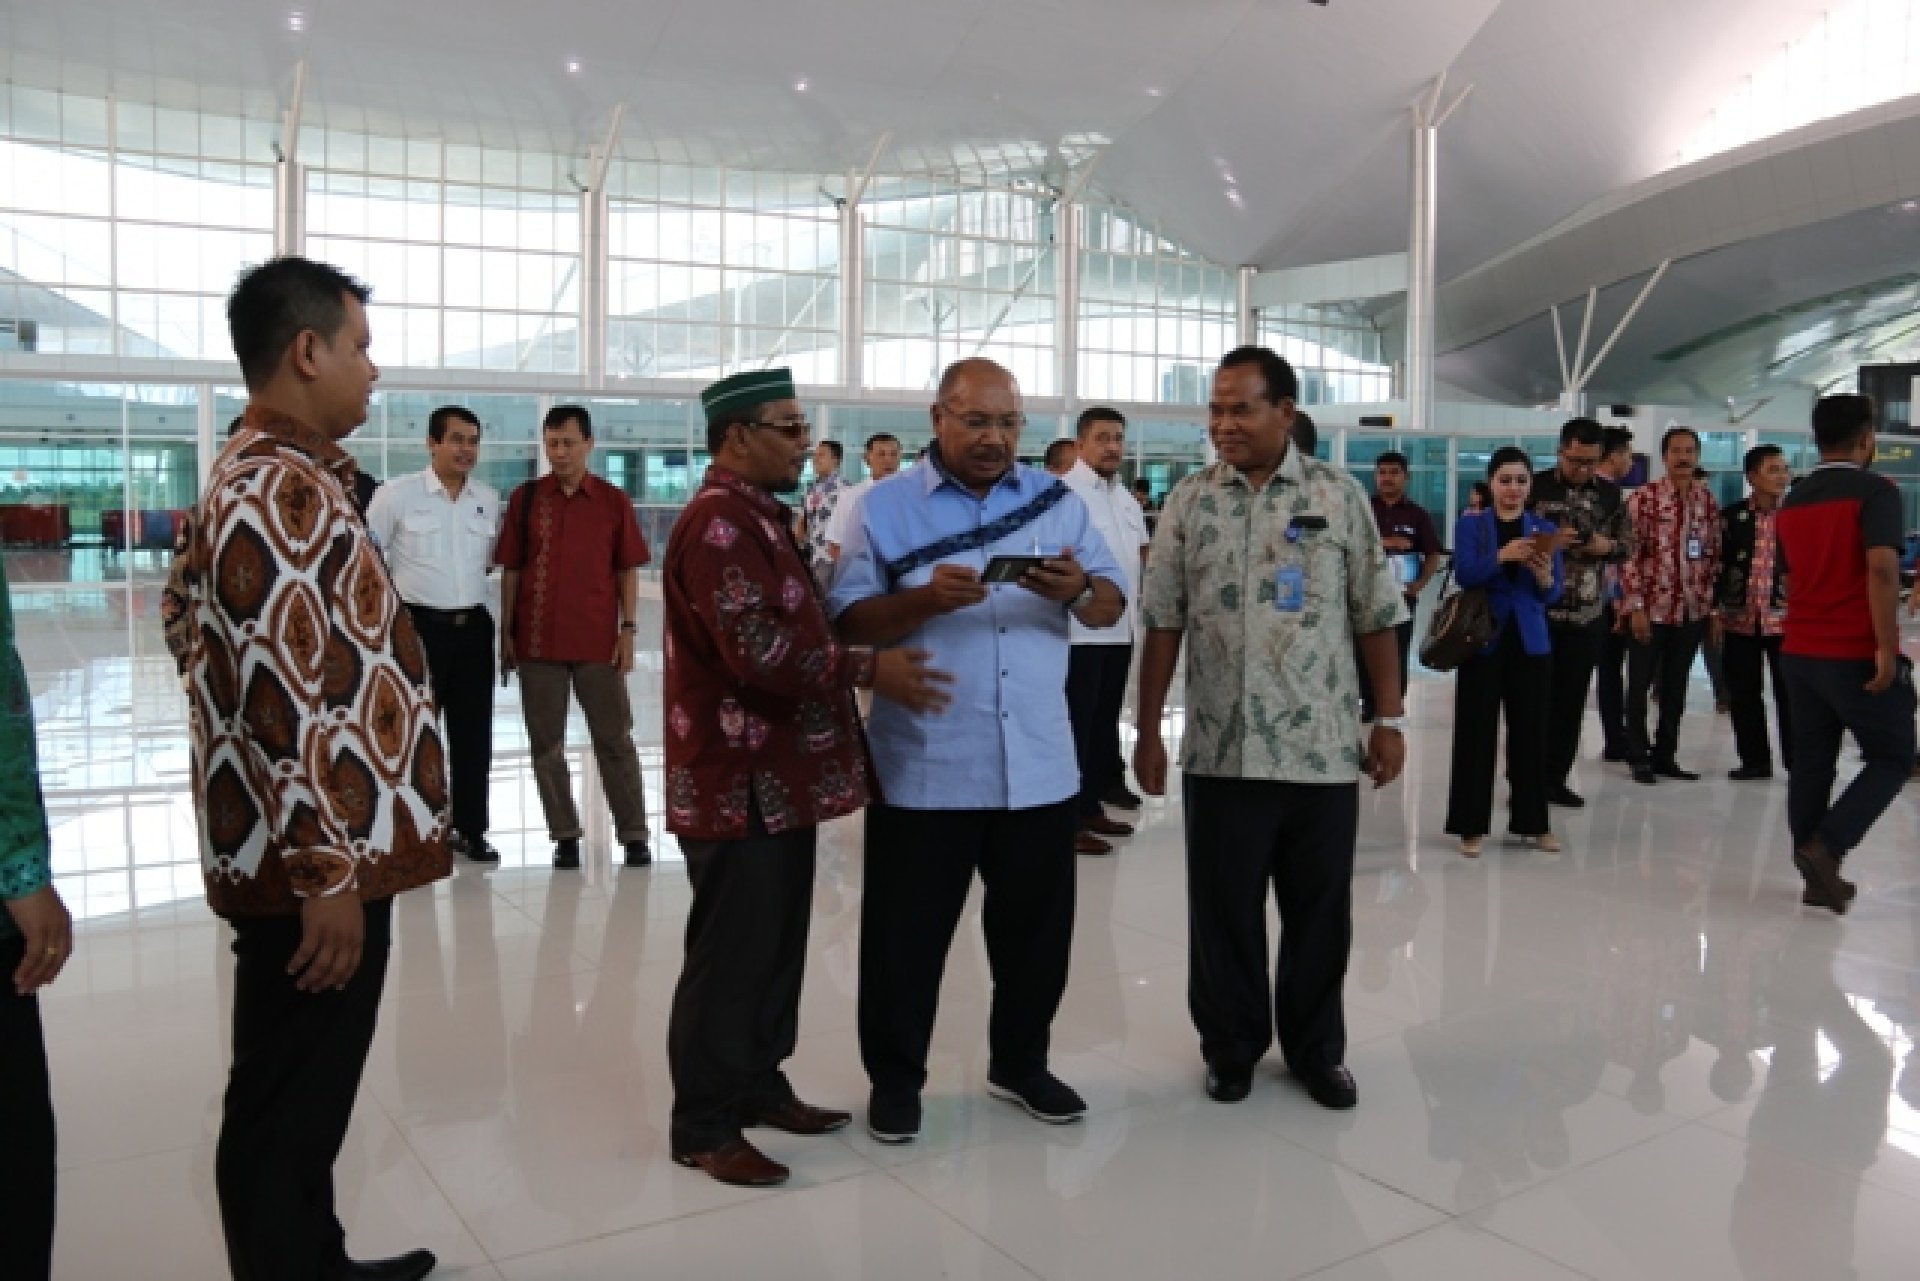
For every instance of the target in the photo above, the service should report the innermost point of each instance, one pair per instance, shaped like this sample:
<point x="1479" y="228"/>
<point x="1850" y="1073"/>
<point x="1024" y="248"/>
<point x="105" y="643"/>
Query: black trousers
<point x="920" y="865"/>
<point x="1518" y="683"/>
<point x="736" y="1010"/>
<point x="1403" y="635"/>
<point x="1244" y="836"/>
<point x="1096" y="694"/>
<point x="27" y="1177"/>
<point x="1610" y="688"/>
<point x="1746" y="658"/>
<point x="1576" y="652"/>
<point x="297" y="1060"/>
<point x="1663" y="663"/>
<point x="461" y="658"/>
<point x="1830" y="699"/>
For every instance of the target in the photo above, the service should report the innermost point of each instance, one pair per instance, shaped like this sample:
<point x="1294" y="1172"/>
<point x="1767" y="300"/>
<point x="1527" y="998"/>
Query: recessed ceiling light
<point x="1153" y="92"/>
<point x="573" y="66"/>
<point x="799" y="86"/>
<point x="296" y="21"/>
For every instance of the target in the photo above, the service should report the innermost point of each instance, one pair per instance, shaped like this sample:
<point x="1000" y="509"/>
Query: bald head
<point x="977" y="420"/>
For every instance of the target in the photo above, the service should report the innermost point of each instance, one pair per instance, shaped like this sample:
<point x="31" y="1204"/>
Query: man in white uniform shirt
<point x="437" y="529"/>
<point x="883" y="460"/>
<point x="1099" y="661"/>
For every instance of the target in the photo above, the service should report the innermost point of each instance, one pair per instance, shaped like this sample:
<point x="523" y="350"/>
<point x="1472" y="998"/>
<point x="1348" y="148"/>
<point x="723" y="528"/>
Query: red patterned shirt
<point x="571" y="551"/>
<point x="318" y="766"/>
<point x="1758" y="615"/>
<point x="759" y="695"/>
<point x="1676" y="553"/>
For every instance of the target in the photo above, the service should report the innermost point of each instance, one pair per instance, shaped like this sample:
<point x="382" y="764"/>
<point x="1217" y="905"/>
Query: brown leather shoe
<point x="796" y="1117"/>
<point x="1101" y="825"/>
<point x="1088" y="843"/>
<point x="737" y="1162"/>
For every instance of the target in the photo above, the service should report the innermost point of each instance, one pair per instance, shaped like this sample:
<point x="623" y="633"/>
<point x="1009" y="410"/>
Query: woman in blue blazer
<point x="1498" y="550"/>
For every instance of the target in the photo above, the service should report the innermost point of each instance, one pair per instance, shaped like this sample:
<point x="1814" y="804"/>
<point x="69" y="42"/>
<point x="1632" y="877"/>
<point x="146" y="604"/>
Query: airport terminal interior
<point x="1462" y="221"/>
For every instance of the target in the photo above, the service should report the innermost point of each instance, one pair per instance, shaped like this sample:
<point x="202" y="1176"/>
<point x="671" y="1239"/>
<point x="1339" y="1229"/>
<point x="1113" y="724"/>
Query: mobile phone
<point x="1010" y="569"/>
<point x="1544" y="541"/>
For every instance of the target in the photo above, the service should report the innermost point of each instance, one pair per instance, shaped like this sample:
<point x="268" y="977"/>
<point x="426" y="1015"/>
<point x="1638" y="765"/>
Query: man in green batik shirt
<point x="36" y="937"/>
<point x="1270" y="562"/>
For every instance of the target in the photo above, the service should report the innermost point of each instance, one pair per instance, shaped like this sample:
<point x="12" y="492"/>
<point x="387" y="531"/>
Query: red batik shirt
<point x="759" y="696"/>
<point x="1676" y="553"/>
<point x="572" y="552"/>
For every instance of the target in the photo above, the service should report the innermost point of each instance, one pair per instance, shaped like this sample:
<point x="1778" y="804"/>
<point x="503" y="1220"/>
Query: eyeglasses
<point x="791" y="428"/>
<point x="1011" y="423"/>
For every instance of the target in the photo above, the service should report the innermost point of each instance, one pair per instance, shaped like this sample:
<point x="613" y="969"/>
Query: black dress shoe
<point x="1121" y="798"/>
<point x="477" y="849"/>
<point x="1332" y="1087"/>
<point x="639" y="854"/>
<point x="1228" y="1085"/>
<point x="1101" y="825"/>
<point x="1821" y="871"/>
<point x="1566" y="798"/>
<point x="410" y="1266"/>
<point x="566" y="854"/>
<point x="1745" y="775"/>
<point x="1671" y="769"/>
<point x="1645" y="776"/>
<point x="893" y="1117"/>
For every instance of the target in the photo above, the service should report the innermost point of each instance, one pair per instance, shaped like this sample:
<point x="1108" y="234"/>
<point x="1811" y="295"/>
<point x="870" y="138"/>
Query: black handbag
<point x="1463" y="626"/>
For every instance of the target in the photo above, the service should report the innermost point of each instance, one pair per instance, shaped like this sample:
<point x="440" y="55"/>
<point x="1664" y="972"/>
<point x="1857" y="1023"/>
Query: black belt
<point x="450" y="617"/>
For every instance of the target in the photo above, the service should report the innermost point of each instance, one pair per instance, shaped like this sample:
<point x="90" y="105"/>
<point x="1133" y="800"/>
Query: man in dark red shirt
<point x="1413" y="549"/>
<point x="571" y="551"/>
<point x="763" y="744"/>
<point x="1840" y="532"/>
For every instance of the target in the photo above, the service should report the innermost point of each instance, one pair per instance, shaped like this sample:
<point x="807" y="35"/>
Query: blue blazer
<point x="1515" y="594"/>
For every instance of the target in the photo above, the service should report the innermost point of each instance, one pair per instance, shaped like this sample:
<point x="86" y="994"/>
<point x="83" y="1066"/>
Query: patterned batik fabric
<point x="817" y="506"/>
<point x="1271" y="693"/>
<point x="759" y="695"/>
<point x="318" y="765"/>
<point x="1663" y="577"/>
<point x="24" y="847"/>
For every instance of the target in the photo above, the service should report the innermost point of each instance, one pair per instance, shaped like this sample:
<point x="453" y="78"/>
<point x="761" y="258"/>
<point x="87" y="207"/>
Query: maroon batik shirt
<point x="759" y="695"/>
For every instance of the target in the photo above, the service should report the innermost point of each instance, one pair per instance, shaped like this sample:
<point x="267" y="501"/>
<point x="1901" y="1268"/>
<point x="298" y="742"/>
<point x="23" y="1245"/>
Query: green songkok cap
<point x="730" y="396"/>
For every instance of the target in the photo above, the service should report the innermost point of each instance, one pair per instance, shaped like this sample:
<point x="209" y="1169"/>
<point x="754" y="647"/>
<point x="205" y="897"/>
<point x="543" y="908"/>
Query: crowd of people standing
<point x="945" y="648"/>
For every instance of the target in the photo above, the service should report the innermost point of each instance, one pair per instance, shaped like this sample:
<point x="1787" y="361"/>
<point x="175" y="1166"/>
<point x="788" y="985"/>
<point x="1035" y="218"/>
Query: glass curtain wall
<point x="1334" y="347"/>
<point x="1154" y="316"/>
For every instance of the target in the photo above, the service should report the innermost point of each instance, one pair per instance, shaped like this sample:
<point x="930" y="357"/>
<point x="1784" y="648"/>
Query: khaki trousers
<point x="602" y="692"/>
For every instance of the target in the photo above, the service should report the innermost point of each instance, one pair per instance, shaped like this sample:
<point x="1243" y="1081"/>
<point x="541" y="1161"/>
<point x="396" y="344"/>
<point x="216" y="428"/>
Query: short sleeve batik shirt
<point x="1271" y="692"/>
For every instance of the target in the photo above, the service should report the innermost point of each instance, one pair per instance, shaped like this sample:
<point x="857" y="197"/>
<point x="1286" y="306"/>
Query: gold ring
<point x="53" y="951"/>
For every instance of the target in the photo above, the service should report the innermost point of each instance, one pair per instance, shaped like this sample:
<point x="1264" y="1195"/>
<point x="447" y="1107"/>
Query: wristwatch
<point x="1085" y="598"/>
<point x="1398" y="724"/>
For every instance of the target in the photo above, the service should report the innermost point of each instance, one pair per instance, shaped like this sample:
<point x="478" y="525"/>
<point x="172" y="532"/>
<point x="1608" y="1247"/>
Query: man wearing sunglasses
<point x="1573" y="495"/>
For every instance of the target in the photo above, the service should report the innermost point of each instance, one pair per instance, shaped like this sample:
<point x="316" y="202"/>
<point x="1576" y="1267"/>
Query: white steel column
<point x="1421" y="236"/>
<point x="595" y="258"/>
<point x="290" y="176"/>
<point x="1069" y="234"/>
<point x="853" y="273"/>
<point x="1245" y="324"/>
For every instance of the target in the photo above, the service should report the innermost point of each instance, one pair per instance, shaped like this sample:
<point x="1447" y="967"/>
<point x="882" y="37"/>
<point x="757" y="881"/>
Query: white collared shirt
<point x="438" y="547"/>
<point x="1117" y="515"/>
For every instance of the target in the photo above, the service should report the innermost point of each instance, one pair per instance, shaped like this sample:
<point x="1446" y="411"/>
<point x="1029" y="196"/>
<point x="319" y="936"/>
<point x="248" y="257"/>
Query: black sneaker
<point x="1332" y="1087"/>
<point x="566" y="854"/>
<point x="639" y="854"/>
<point x="1045" y="1097"/>
<point x="1228" y="1085"/>
<point x="1566" y="798"/>
<point x="893" y="1118"/>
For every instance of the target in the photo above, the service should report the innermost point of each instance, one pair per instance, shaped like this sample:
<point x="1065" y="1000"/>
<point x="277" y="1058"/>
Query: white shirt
<point x="438" y="548"/>
<point x="1118" y="518"/>
<point x="844" y="512"/>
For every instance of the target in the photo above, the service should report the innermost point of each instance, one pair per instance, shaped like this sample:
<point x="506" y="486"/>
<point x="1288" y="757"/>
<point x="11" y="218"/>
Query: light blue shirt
<point x="1004" y="742"/>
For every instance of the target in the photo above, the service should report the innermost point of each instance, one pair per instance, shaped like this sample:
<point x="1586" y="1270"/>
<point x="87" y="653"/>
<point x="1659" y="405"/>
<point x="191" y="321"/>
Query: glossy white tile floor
<point x="1642" y="1059"/>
